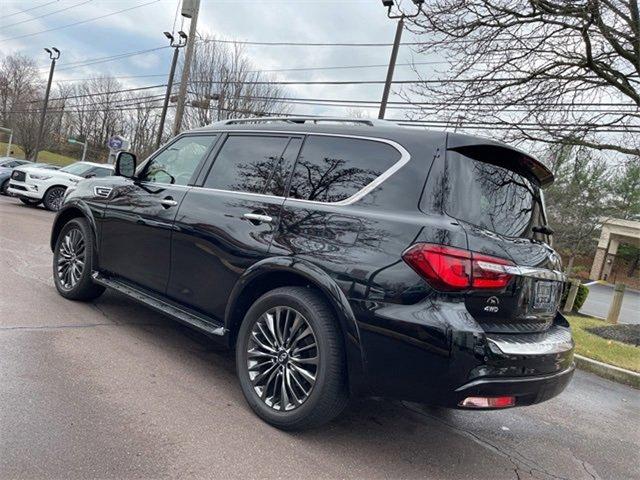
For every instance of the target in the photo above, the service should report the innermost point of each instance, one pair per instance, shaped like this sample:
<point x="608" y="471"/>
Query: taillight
<point x="454" y="269"/>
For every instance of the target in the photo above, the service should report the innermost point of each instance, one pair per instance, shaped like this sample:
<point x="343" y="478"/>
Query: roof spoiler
<point x="502" y="155"/>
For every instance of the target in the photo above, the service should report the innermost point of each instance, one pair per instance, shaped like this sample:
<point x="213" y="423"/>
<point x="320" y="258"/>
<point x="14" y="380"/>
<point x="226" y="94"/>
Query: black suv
<point x="338" y="258"/>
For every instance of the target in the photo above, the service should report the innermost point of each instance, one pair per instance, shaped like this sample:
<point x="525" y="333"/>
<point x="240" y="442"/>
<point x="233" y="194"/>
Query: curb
<point x="616" y="374"/>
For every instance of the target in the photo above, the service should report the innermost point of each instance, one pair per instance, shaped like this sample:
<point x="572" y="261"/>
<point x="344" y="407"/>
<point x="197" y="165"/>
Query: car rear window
<point x="489" y="196"/>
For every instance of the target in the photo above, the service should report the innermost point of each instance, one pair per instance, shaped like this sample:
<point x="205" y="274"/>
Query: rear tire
<point x="308" y="339"/>
<point x="30" y="201"/>
<point x="53" y="198"/>
<point x="73" y="262"/>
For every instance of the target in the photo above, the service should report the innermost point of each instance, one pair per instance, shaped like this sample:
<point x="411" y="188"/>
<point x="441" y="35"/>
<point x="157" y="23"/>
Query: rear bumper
<point x="527" y="390"/>
<point x="438" y="354"/>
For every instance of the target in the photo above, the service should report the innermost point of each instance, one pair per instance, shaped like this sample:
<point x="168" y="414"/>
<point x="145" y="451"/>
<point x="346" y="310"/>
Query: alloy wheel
<point x="71" y="258"/>
<point x="55" y="197"/>
<point x="282" y="358"/>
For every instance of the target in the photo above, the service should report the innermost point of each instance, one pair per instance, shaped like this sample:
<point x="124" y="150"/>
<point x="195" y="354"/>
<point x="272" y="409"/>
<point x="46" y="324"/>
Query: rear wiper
<point x="543" y="229"/>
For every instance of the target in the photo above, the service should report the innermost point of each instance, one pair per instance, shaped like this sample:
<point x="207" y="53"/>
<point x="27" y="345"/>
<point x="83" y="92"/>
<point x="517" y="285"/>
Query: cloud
<point x="267" y="20"/>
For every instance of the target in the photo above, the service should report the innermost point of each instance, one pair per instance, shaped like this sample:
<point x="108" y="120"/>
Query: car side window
<point x="101" y="172"/>
<point x="177" y="163"/>
<point x="332" y="169"/>
<point x="253" y="163"/>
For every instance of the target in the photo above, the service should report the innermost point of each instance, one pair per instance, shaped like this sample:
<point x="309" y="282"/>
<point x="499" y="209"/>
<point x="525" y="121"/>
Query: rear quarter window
<point x="332" y="169"/>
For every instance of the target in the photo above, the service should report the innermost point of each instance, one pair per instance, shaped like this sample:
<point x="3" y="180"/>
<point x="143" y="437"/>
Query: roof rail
<point x="303" y="119"/>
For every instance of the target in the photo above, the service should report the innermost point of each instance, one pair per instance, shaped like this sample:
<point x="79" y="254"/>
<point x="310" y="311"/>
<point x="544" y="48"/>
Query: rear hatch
<point x="496" y="195"/>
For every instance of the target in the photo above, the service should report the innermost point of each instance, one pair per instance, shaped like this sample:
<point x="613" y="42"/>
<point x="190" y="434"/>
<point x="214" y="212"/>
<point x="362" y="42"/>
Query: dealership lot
<point x="113" y="390"/>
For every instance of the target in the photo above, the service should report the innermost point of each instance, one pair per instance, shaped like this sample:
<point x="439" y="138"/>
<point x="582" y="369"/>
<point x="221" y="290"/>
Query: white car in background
<point x="33" y="186"/>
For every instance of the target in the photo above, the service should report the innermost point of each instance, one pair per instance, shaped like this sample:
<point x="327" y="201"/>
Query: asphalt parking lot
<point x="113" y="390"/>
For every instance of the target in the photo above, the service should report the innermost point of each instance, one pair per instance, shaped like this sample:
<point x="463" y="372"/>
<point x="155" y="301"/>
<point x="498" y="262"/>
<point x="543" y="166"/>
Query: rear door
<point x="138" y="222"/>
<point x="227" y="223"/>
<point x="500" y="209"/>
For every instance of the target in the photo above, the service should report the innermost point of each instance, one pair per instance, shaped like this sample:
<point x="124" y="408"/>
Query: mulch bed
<point x="622" y="333"/>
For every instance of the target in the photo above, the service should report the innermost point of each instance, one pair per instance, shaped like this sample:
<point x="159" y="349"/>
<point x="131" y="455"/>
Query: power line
<point x="86" y="62"/>
<point x="84" y="21"/>
<point x="29" y="9"/>
<point x="365" y="103"/>
<point x="271" y="70"/>
<point x="368" y="82"/>
<point x="308" y="44"/>
<point x="47" y="14"/>
<point x="111" y="92"/>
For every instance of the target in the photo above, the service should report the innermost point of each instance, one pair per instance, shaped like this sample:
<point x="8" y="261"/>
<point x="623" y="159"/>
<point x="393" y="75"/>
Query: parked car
<point x="5" y="173"/>
<point x="7" y="164"/>
<point x="338" y="258"/>
<point x="33" y="186"/>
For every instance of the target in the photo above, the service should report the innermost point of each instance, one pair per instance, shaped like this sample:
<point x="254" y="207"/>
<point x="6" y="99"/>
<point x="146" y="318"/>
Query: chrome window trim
<point x="404" y="159"/>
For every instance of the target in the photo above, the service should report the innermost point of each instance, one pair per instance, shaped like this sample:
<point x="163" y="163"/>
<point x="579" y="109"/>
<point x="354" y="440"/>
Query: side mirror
<point x="125" y="164"/>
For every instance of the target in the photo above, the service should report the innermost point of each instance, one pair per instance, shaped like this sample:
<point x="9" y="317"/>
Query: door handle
<point x="257" y="218"/>
<point x="168" y="202"/>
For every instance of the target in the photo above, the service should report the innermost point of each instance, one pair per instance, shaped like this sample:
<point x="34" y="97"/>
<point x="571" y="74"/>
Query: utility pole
<point x="392" y="67"/>
<point x="54" y="56"/>
<point x="190" y="9"/>
<point x="389" y="4"/>
<point x="182" y="41"/>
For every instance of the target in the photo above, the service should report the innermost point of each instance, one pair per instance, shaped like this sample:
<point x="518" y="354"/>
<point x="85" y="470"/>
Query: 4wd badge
<point x="492" y="305"/>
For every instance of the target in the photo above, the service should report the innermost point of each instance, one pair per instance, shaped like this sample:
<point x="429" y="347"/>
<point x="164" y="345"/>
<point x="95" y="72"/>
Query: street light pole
<point x="389" y="4"/>
<point x="190" y="9"/>
<point x="54" y="56"/>
<point x="10" y="132"/>
<point x="176" y="46"/>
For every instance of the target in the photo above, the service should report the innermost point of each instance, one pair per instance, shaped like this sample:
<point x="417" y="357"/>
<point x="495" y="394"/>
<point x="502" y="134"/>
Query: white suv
<point x="33" y="185"/>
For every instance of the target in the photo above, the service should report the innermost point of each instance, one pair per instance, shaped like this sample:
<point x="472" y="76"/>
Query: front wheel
<point x="290" y="359"/>
<point x="73" y="262"/>
<point x="4" y="187"/>
<point x="53" y="198"/>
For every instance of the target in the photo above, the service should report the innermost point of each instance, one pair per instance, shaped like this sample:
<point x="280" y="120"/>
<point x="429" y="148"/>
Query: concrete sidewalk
<point x="599" y="299"/>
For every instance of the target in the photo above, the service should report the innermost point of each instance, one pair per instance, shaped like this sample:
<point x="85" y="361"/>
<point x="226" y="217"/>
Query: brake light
<point x="454" y="269"/>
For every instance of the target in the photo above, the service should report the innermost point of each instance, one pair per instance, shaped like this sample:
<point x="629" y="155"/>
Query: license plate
<point x="545" y="295"/>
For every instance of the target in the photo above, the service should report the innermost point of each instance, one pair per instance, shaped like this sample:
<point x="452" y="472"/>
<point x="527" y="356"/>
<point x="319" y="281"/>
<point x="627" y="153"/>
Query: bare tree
<point x="140" y="124"/>
<point x="222" y="83"/>
<point x="541" y="70"/>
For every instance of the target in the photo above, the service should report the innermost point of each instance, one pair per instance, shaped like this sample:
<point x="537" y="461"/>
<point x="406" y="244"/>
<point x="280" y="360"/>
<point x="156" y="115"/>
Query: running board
<point x="193" y="319"/>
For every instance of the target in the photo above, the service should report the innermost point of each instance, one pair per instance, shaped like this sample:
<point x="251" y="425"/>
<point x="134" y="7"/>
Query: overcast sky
<point x="23" y="29"/>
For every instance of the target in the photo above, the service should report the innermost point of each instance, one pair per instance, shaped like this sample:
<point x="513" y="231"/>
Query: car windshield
<point x="492" y="197"/>
<point x="79" y="169"/>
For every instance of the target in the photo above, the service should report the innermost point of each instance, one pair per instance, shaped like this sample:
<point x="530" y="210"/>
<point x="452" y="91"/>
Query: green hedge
<point x="581" y="297"/>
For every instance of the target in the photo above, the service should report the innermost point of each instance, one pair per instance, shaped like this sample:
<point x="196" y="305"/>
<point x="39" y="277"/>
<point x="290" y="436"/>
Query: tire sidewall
<point x="263" y="304"/>
<point x="4" y="187"/>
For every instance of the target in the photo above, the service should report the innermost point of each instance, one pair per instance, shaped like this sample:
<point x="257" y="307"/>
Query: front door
<point x="138" y="224"/>
<point x="227" y="223"/>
